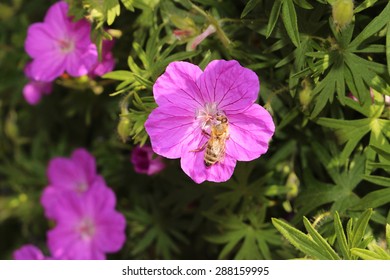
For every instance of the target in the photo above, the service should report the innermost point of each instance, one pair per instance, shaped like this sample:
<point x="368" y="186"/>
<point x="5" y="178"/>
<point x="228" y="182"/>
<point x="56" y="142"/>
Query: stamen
<point x="86" y="229"/>
<point x="81" y="187"/>
<point x="66" y="45"/>
<point x="205" y="115"/>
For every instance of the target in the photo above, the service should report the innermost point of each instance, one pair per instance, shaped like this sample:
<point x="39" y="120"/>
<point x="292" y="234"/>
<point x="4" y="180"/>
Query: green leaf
<point x="374" y="26"/>
<point x="289" y="17"/>
<point x="364" y="5"/>
<point x="379" y="180"/>
<point x="388" y="235"/>
<point x="275" y="12"/>
<point x="324" y="90"/>
<point x="369" y="255"/>
<point x="324" y="245"/>
<point x="300" y="240"/>
<point x="145" y="242"/>
<point x="249" y="7"/>
<point x="359" y="228"/>
<point x="303" y="4"/>
<point x="249" y="249"/>
<point x="120" y="75"/>
<point x="374" y="199"/>
<point x="347" y="131"/>
<point x="341" y="238"/>
<point x="372" y="49"/>
<point x="112" y="9"/>
<point x="388" y="47"/>
<point x="128" y="4"/>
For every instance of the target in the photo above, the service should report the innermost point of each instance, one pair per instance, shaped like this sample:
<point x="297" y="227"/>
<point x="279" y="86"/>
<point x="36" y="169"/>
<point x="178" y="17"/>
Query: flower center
<point x="66" y="45"/>
<point x="81" y="187"/>
<point x="86" y="229"/>
<point x="207" y="116"/>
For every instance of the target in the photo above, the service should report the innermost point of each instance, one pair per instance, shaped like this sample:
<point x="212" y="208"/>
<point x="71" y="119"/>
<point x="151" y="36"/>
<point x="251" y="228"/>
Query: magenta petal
<point x="178" y="86"/>
<point x="75" y="66"/>
<point x="155" y="166"/>
<point x="47" y="67"/>
<point x="85" y="162"/>
<point x="89" y="58"/>
<point x="111" y="234"/>
<point x="233" y="87"/>
<point x="81" y="31"/>
<point x="104" y="66"/>
<point x="65" y="174"/>
<point x="98" y="200"/>
<point x="144" y="161"/>
<point x="193" y="164"/>
<point x="250" y="133"/>
<point x="28" y="252"/>
<point x="39" y="41"/>
<point x="32" y="93"/>
<point x="49" y="201"/>
<point x="34" y="90"/>
<point x="56" y="17"/>
<point x="64" y="243"/>
<point x="170" y="129"/>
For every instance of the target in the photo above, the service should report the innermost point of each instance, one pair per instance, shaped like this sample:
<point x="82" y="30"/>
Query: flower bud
<point x="124" y="128"/>
<point x="305" y="95"/>
<point x="342" y="12"/>
<point x="145" y="162"/>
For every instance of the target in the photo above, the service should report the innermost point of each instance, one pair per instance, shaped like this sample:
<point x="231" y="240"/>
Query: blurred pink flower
<point x="201" y="37"/>
<point x="34" y="90"/>
<point x="58" y="45"/>
<point x="143" y="161"/>
<point x="75" y="174"/>
<point x="28" y="252"/>
<point x="87" y="226"/>
<point x="189" y="102"/>
<point x="107" y="63"/>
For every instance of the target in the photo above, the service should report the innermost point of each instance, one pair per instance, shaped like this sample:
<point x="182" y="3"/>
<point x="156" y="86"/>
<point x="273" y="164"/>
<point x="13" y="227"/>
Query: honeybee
<point x="216" y="145"/>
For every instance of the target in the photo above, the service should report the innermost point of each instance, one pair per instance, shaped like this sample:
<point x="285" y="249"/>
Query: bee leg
<point x="205" y="133"/>
<point x="201" y="148"/>
<point x="204" y="145"/>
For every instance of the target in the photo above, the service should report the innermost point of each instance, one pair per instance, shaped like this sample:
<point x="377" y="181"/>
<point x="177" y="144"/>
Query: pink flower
<point x="58" y="45"/>
<point x="34" y="90"/>
<point x="28" y="252"/>
<point x="194" y="104"/>
<point x="143" y="161"/>
<point x="88" y="226"/>
<point x="200" y="38"/>
<point x="107" y="63"/>
<point x="75" y="174"/>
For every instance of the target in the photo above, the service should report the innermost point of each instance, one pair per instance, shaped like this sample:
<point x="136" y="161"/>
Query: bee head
<point x="221" y="118"/>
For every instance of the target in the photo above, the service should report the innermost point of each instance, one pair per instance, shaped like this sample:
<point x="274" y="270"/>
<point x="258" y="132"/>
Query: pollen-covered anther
<point x="206" y="115"/>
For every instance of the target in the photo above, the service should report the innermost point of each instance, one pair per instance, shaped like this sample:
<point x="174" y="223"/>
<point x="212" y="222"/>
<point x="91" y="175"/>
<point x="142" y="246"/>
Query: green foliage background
<point x="329" y="160"/>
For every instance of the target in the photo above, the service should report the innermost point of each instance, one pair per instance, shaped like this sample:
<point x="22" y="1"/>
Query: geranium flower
<point x="191" y="103"/>
<point x="143" y="161"/>
<point x="88" y="226"/>
<point x="58" y="45"/>
<point x="75" y="174"/>
<point x="28" y="252"/>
